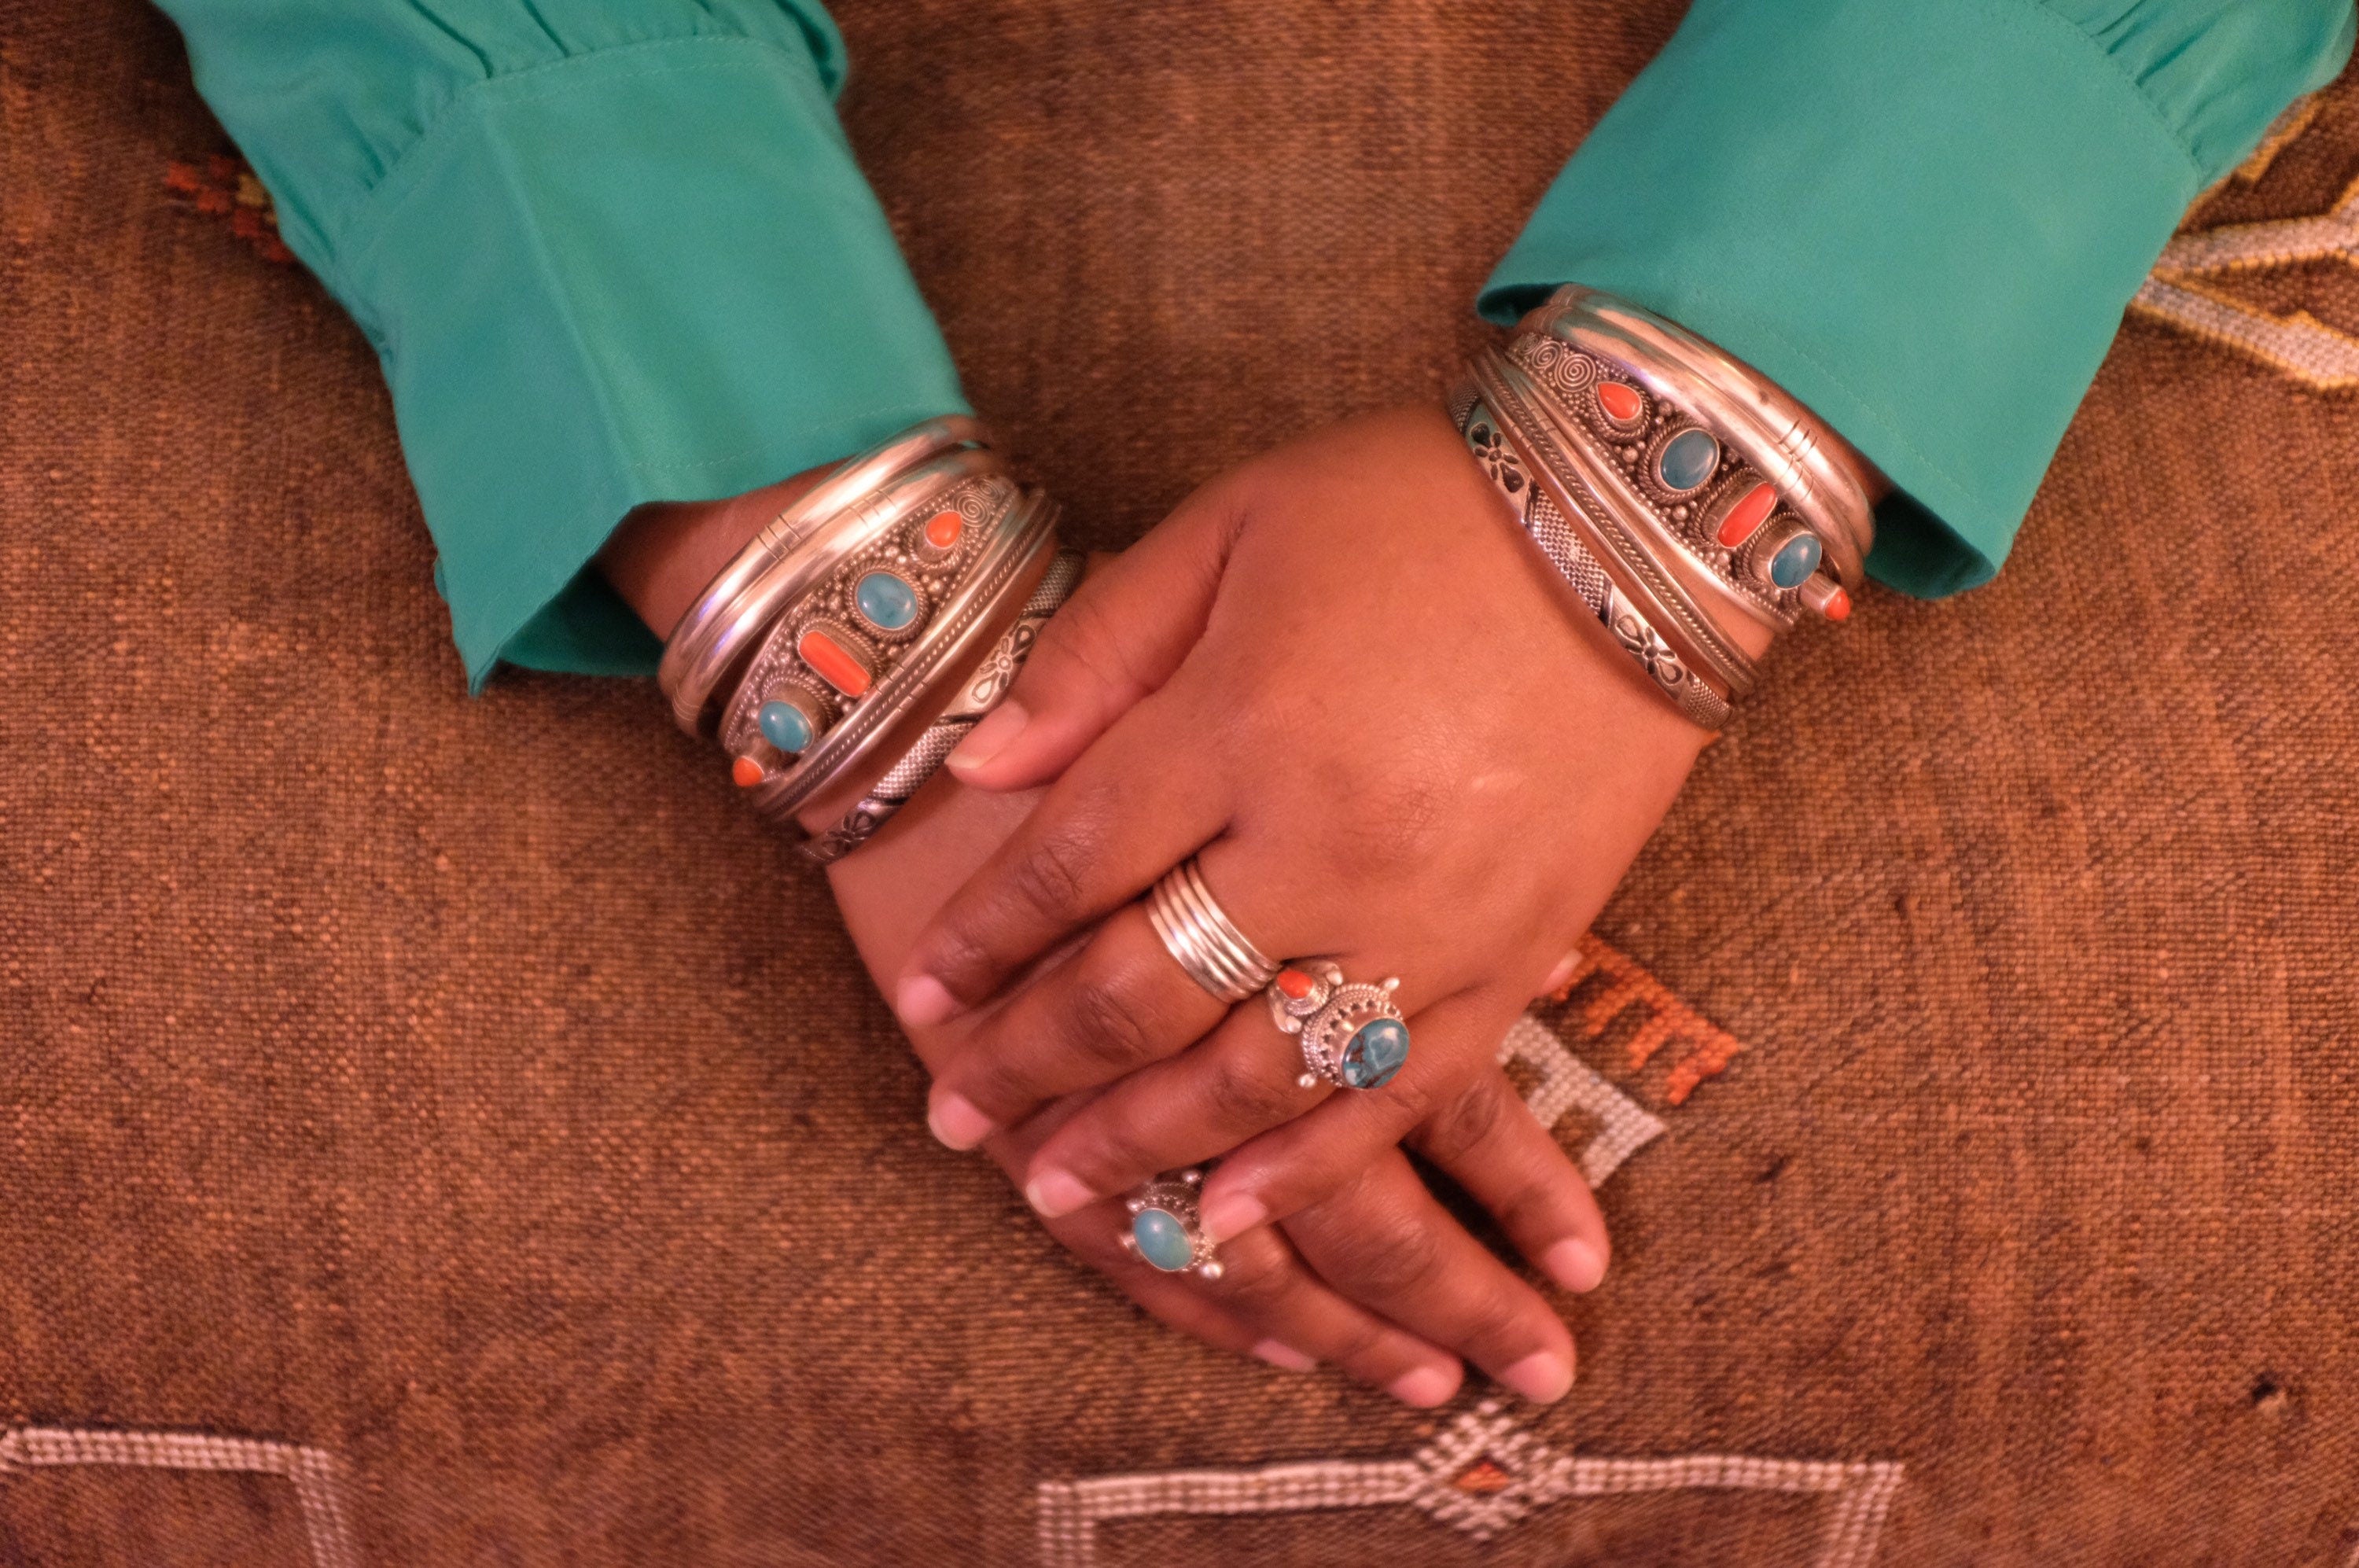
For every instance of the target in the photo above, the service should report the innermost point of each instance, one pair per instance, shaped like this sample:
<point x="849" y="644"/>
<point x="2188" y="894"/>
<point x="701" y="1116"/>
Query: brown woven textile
<point x="441" y="1132"/>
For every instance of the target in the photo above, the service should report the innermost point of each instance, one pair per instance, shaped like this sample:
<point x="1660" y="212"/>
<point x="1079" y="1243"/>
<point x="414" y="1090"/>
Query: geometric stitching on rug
<point x="316" y="1476"/>
<point x="1566" y="1083"/>
<point x="1482" y="1476"/>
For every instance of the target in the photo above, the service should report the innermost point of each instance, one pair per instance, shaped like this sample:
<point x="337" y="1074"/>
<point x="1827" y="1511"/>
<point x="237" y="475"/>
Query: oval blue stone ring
<point x="1163" y="1228"/>
<point x="1352" y="1034"/>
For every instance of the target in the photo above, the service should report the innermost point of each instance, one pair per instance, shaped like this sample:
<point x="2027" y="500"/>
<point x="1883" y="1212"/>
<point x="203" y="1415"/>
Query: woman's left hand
<point x="1344" y="679"/>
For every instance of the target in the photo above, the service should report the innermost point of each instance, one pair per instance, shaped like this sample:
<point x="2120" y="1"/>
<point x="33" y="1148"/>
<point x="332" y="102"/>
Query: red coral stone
<point x="836" y="664"/>
<point x="1294" y="983"/>
<point x="1748" y="515"/>
<point x="942" y="529"/>
<point x="1622" y="404"/>
<point x="746" y="772"/>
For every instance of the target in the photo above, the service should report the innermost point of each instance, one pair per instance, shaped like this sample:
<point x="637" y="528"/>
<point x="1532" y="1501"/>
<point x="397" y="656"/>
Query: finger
<point x="1298" y="1160"/>
<point x="1242" y="1080"/>
<point x="1487" y="1140"/>
<point x="1115" y="641"/>
<point x="1265" y="1286"/>
<point x="1118" y="1004"/>
<point x="1135" y="806"/>
<point x="1383" y="1240"/>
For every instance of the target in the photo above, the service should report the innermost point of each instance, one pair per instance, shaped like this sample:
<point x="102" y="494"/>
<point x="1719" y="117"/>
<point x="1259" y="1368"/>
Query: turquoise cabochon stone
<point x="885" y="600"/>
<point x="1795" y="561"/>
<point x="1162" y="1239"/>
<point x="785" y="726"/>
<point x="1688" y="460"/>
<point x="1375" y="1053"/>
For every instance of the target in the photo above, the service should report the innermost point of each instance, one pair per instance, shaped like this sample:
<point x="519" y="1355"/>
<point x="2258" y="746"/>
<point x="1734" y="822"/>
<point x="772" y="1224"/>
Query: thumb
<point x="1115" y="642"/>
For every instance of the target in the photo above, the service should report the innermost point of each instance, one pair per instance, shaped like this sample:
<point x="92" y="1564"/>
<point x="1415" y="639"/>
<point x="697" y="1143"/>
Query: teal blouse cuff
<point x="1923" y="220"/>
<point x="651" y="273"/>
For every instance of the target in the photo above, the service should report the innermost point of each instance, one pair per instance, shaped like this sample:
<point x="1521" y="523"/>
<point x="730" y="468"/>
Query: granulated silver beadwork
<point x="1202" y="939"/>
<point x="984" y="691"/>
<point x="1165" y="1231"/>
<point x="1353" y="1033"/>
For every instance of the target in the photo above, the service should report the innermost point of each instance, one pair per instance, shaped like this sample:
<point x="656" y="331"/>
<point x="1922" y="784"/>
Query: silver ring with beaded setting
<point x="1164" y="1231"/>
<point x="1353" y="1033"/>
<point x="1202" y="939"/>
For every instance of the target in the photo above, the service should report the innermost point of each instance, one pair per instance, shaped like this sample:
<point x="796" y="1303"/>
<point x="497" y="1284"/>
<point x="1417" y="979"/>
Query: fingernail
<point x="1056" y="1194"/>
<point x="1574" y="1264"/>
<point x="989" y="738"/>
<point x="1230" y="1214"/>
<point x="923" y="1001"/>
<point x="1561" y="975"/>
<point x="1425" y="1387"/>
<point x="1542" y="1377"/>
<point x="956" y="1122"/>
<point x="1285" y="1355"/>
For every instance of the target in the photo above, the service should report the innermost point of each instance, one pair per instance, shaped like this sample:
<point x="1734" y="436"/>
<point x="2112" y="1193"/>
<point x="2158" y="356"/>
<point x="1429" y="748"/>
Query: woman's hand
<point x="1377" y="1278"/>
<point x="1345" y="681"/>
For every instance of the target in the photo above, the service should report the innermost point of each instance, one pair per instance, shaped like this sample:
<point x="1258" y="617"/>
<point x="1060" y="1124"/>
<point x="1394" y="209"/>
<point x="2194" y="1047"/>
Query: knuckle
<point x="1104" y="1023"/>
<point x="958" y="956"/>
<point x="1465" y="1122"/>
<point x="1082" y="643"/>
<point x="1253" y="1278"/>
<point x="997" y="1087"/>
<point x="1392" y="1259"/>
<point x="1245" y="1095"/>
<point x="1052" y="876"/>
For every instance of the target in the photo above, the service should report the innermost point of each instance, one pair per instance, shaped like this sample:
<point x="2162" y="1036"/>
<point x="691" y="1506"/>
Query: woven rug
<point x="438" y="1131"/>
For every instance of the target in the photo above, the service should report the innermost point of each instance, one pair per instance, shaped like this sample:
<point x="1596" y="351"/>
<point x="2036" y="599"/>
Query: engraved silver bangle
<point x="1023" y="533"/>
<point x="1202" y="939"/>
<point x="1529" y="422"/>
<point x="981" y="692"/>
<point x="743" y="596"/>
<point x="864" y="598"/>
<point x="1540" y="518"/>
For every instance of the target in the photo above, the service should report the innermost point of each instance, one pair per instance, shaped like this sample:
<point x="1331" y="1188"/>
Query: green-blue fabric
<point x="608" y="251"/>
<point x="614" y="251"/>
<point x="1923" y="219"/>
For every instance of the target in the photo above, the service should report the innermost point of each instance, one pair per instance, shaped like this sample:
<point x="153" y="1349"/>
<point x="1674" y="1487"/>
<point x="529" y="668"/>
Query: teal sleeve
<point x="607" y="252"/>
<point x="1924" y="218"/>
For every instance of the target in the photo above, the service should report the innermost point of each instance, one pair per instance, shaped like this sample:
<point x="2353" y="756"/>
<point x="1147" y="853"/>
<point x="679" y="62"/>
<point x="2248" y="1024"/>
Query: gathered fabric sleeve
<point x="607" y="252"/>
<point x="1923" y="219"/>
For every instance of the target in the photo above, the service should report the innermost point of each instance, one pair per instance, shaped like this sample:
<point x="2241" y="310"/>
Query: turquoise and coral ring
<point x="1164" y="1232"/>
<point x="1352" y="1034"/>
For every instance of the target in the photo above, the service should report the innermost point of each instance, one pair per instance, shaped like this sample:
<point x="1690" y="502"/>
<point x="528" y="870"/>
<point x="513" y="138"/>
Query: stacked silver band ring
<point x="1202" y="940"/>
<point x="1164" y="1230"/>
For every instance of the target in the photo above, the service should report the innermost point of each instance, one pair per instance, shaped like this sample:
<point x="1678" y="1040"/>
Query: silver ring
<point x="1352" y="1034"/>
<point x="1202" y="939"/>
<point x="1164" y="1232"/>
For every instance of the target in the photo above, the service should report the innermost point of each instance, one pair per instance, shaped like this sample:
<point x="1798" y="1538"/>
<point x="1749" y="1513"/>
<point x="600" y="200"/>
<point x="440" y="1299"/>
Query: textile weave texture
<point x="445" y="1131"/>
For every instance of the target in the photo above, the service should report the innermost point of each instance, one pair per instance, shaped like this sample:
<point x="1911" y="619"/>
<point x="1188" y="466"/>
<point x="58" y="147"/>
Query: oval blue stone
<point x="1688" y="460"/>
<point x="785" y="726"/>
<point x="1795" y="561"/>
<point x="885" y="600"/>
<point x="1376" y="1051"/>
<point x="1162" y="1239"/>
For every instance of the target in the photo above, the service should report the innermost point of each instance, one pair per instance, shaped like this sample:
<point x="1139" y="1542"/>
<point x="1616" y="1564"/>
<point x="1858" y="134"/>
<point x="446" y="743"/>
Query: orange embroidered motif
<point x="1609" y="989"/>
<point x="223" y="187"/>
